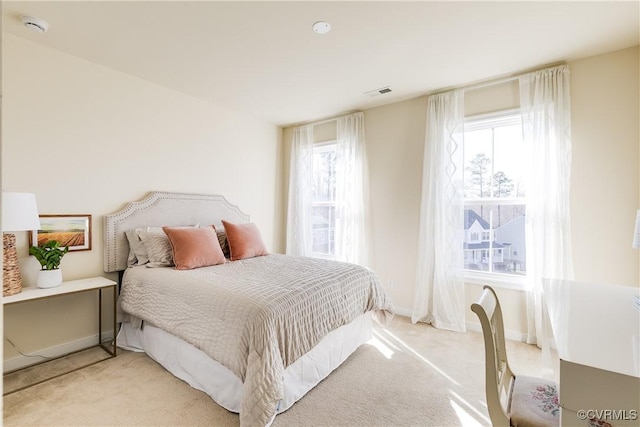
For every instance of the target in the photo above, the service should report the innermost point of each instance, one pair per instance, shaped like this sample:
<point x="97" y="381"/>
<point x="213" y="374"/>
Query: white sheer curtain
<point x="299" y="239"/>
<point x="439" y="296"/>
<point x="351" y="191"/>
<point x="546" y="121"/>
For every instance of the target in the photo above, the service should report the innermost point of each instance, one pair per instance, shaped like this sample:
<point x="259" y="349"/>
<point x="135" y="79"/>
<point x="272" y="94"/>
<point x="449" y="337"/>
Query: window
<point x="494" y="199"/>
<point x="324" y="200"/>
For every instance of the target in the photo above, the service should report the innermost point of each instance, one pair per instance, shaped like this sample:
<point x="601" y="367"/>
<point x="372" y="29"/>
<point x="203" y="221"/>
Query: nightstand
<point x="97" y="284"/>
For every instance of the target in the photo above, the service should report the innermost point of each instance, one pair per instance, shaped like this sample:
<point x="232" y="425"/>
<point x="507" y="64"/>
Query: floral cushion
<point x="534" y="402"/>
<point x="596" y="422"/>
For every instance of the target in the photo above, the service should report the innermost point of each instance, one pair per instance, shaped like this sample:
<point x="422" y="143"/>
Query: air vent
<point x="377" y="92"/>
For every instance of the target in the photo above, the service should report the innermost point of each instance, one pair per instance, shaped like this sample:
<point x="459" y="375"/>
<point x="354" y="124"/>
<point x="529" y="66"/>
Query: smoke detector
<point x="35" y="24"/>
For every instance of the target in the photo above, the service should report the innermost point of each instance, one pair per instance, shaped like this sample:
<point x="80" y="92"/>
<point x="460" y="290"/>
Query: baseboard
<point x="508" y="334"/>
<point x="475" y="327"/>
<point x="401" y="311"/>
<point x="21" y="361"/>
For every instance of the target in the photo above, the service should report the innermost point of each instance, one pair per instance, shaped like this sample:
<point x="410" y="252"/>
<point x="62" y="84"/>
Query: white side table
<point x="98" y="284"/>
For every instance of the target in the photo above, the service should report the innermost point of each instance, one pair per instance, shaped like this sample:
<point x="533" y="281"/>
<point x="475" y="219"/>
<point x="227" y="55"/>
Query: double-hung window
<point x="324" y="200"/>
<point x="494" y="199"/>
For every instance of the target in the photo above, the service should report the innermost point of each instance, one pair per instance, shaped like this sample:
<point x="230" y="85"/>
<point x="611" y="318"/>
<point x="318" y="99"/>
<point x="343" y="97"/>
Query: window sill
<point x="503" y="281"/>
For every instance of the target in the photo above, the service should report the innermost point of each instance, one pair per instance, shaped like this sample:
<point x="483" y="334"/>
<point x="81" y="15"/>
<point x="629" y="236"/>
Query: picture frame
<point x="70" y="230"/>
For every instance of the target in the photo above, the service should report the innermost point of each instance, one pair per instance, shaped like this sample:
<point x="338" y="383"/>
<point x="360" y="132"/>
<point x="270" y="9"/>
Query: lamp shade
<point x="19" y="212"/>
<point x="636" y="233"/>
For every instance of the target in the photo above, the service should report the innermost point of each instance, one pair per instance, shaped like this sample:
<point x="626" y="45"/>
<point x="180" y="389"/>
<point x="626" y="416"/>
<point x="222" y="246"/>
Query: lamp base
<point x="11" y="278"/>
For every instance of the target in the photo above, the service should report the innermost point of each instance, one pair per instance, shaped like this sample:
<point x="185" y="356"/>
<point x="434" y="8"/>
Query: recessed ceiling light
<point x="321" y="27"/>
<point x="34" y="24"/>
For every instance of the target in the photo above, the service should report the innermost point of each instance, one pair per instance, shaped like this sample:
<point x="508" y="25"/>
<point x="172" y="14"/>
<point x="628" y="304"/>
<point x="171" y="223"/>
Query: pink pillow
<point x="244" y="240"/>
<point x="194" y="247"/>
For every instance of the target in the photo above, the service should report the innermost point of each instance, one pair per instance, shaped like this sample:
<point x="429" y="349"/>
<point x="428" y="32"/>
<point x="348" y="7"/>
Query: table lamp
<point x="19" y="213"/>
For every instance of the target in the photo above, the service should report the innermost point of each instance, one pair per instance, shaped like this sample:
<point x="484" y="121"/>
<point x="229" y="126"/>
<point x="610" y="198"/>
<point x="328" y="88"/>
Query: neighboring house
<point x="504" y="246"/>
<point x="512" y="234"/>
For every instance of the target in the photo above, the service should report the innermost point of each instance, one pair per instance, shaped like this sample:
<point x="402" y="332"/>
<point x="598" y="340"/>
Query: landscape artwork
<point x="70" y="230"/>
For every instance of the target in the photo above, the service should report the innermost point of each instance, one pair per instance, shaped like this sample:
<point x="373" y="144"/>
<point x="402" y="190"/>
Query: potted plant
<point x="49" y="256"/>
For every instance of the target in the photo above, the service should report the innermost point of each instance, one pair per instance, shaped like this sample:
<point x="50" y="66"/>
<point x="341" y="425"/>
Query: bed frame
<point x="159" y="209"/>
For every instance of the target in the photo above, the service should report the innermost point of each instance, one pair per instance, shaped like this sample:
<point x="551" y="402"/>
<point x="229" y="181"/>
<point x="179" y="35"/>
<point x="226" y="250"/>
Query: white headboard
<point x="159" y="209"/>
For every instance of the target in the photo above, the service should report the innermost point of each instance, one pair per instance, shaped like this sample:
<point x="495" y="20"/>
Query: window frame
<point x="496" y="279"/>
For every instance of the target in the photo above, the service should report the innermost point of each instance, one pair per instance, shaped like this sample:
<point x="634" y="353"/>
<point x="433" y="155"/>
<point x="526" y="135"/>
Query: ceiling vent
<point x="377" y="92"/>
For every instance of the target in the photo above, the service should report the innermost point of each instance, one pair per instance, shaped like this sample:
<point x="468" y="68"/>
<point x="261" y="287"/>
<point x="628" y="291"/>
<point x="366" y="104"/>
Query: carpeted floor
<point x="409" y="375"/>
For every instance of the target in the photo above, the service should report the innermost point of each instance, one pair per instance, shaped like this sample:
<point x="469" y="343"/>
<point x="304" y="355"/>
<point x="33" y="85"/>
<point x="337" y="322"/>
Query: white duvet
<point x="256" y="316"/>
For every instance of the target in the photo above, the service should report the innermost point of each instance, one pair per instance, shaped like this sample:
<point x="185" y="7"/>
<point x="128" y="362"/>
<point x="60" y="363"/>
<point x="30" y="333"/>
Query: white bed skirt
<point x="203" y="373"/>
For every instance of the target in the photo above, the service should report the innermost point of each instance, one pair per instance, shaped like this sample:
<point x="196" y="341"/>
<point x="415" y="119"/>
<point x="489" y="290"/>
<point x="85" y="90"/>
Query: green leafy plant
<point x="49" y="255"/>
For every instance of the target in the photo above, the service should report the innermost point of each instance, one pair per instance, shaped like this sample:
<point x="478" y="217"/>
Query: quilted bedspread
<point x="256" y="316"/>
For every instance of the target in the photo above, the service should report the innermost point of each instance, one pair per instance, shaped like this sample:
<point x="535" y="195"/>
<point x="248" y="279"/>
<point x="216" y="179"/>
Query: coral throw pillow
<point x="244" y="240"/>
<point x="194" y="247"/>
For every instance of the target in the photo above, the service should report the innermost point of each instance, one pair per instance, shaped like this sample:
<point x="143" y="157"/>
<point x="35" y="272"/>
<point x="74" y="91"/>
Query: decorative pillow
<point x="222" y="239"/>
<point x="137" y="251"/>
<point x="224" y="244"/>
<point x="194" y="247"/>
<point x="132" y="259"/>
<point x="244" y="240"/>
<point x="157" y="246"/>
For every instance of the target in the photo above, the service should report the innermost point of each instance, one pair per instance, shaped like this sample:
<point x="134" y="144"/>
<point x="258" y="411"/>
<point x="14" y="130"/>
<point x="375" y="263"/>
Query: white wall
<point x="87" y="139"/>
<point x="605" y="179"/>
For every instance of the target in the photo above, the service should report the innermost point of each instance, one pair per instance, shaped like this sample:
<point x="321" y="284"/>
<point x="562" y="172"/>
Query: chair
<point x="512" y="400"/>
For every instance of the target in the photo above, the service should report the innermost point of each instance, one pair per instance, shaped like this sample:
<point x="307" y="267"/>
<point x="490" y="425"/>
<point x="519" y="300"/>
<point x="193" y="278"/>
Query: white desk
<point x="596" y="330"/>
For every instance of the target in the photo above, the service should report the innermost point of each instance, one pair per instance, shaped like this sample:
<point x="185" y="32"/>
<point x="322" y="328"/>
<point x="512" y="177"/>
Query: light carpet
<point x="408" y="375"/>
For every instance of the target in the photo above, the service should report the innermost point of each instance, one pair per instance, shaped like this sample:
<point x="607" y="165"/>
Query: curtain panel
<point x="300" y="211"/>
<point x="352" y="191"/>
<point x="439" y="292"/>
<point x="546" y="120"/>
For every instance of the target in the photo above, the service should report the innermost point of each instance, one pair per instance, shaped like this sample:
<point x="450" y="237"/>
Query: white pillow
<point x="137" y="252"/>
<point x="157" y="245"/>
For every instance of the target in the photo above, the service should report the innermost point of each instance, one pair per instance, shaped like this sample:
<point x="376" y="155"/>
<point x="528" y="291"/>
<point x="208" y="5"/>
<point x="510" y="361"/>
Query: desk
<point x="71" y="287"/>
<point x="596" y="330"/>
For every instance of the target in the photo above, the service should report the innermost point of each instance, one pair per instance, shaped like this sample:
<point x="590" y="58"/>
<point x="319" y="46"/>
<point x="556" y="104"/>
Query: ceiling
<point x="263" y="58"/>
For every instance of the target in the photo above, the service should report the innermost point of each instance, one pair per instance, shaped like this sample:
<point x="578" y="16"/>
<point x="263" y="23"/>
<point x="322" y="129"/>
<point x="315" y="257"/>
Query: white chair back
<point x="499" y="377"/>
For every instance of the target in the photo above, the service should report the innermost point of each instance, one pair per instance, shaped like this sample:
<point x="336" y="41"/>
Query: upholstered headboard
<point x="159" y="209"/>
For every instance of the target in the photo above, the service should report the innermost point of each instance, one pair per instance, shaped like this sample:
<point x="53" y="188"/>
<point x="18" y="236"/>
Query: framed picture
<point x="70" y="230"/>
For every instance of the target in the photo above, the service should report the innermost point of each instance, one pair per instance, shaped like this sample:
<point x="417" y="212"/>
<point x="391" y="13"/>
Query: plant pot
<point x="49" y="278"/>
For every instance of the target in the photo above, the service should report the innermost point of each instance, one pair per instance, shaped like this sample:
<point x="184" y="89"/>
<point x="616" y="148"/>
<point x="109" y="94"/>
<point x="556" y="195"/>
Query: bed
<point x="254" y="331"/>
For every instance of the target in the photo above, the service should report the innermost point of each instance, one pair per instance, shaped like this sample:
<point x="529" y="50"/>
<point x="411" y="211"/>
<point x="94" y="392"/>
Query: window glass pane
<point x="324" y="174"/>
<point x="324" y="193"/>
<point x="502" y="247"/>
<point x="508" y="163"/>
<point x="323" y="223"/>
<point x="477" y="163"/>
